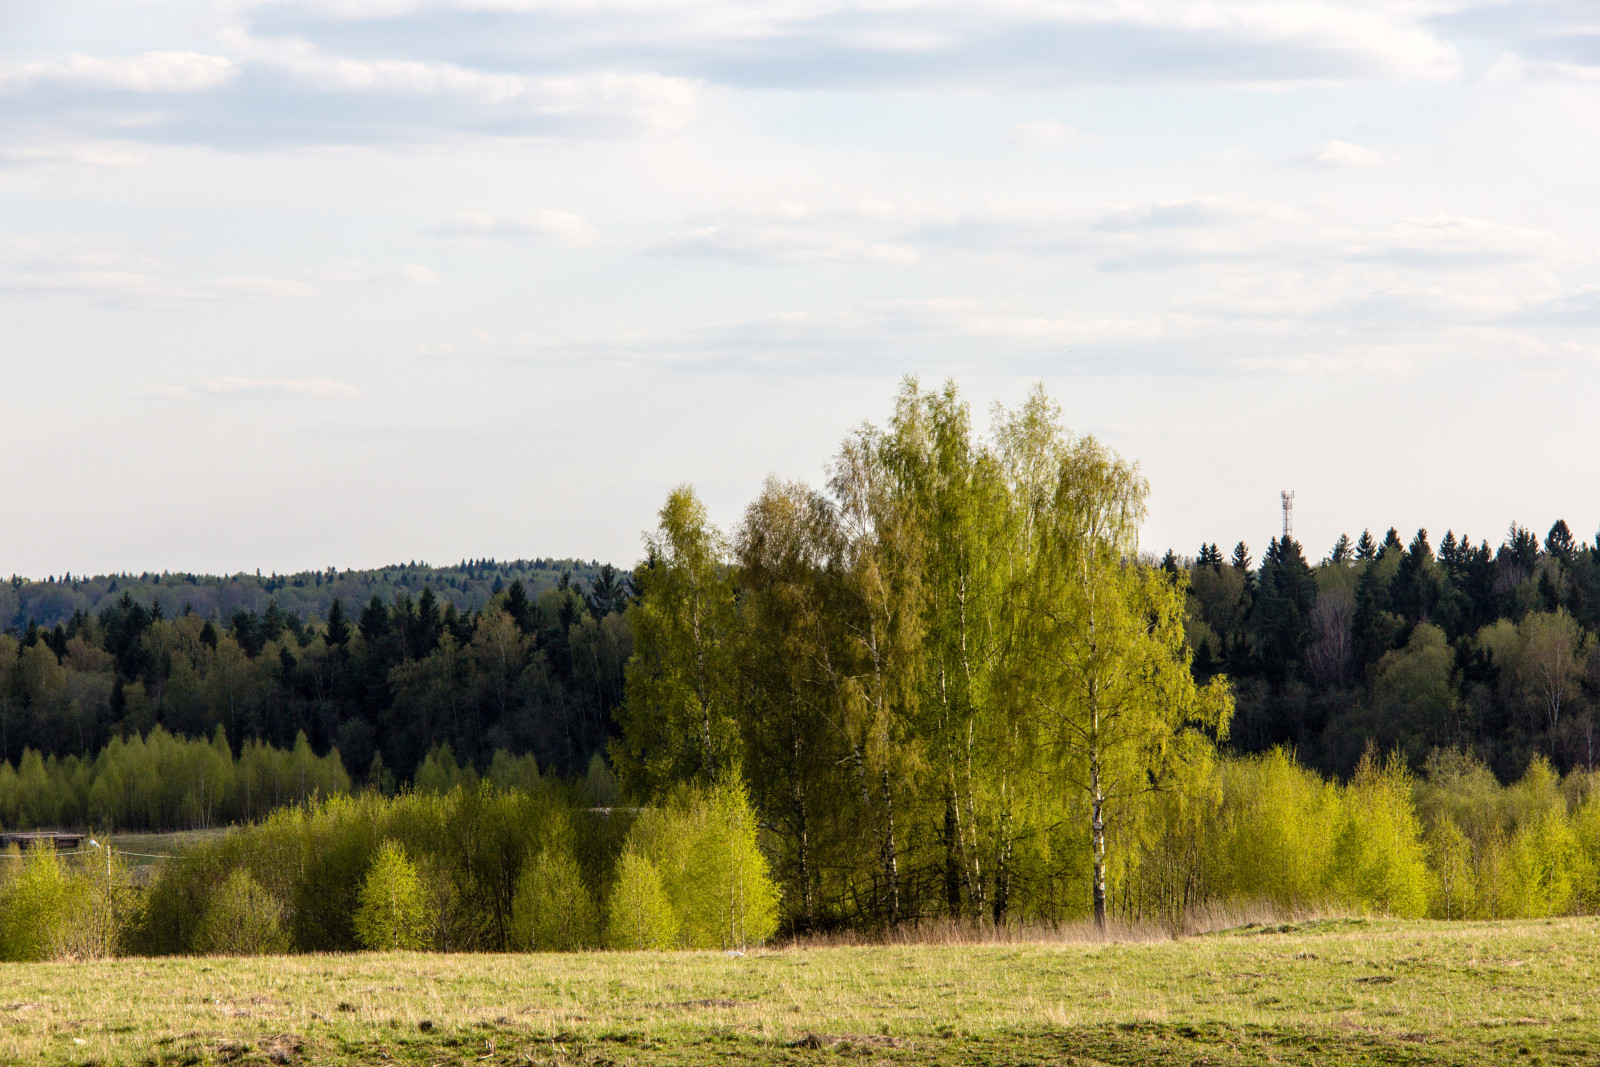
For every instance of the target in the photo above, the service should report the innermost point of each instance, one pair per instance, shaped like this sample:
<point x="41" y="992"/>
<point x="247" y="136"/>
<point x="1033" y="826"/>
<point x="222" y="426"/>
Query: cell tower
<point x="1288" y="512"/>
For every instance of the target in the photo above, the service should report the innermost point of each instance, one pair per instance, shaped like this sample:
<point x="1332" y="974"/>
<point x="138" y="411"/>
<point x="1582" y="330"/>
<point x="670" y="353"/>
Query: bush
<point x="393" y="911"/>
<point x="241" y="919"/>
<point x="1378" y="860"/>
<point x="553" y="911"/>
<point x="703" y="844"/>
<point x="37" y="908"/>
<point x="112" y="905"/>
<point x="640" y="916"/>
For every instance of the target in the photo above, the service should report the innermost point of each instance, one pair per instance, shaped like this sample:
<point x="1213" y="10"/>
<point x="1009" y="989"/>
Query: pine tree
<point x="1366" y="547"/>
<point x="338" y="633"/>
<point x="1559" y="542"/>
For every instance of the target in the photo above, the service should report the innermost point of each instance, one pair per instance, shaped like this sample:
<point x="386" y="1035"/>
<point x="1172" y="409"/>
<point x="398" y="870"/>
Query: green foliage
<point x="1378" y="861"/>
<point x="38" y="907"/>
<point x="553" y="910"/>
<point x="393" y="911"/>
<point x="639" y="916"/>
<point x="159" y="781"/>
<point x="678" y="715"/>
<point x="703" y="846"/>
<point x="241" y="919"/>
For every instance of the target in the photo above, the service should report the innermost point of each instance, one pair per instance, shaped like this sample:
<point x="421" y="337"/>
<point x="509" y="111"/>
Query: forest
<point x="382" y="681"/>
<point x="945" y="684"/>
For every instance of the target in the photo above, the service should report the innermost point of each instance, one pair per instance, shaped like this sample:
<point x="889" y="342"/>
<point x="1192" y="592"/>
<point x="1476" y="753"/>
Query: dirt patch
<point x="851" y="1040"/>
<point x="283" y="1048"/>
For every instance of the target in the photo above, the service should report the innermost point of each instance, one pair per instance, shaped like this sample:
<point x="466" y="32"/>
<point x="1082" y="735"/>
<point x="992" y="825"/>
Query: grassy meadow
<point x="1336" y="991"/>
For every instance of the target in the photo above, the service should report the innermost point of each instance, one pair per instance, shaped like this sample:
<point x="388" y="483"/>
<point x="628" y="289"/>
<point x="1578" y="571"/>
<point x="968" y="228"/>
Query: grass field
<point x="140" y="850"/>
<point x="1324" y="992"/>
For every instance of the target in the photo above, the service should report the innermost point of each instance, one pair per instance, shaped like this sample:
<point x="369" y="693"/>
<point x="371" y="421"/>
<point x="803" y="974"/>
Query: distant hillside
<point x="468" y="585"/>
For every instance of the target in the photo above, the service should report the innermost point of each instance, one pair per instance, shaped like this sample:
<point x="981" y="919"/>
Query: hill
<point x="307" y="594"/>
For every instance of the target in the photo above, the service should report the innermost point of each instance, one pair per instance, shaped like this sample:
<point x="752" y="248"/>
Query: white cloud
<point x="779" y="243"/>
<point x="112" y="156"/>
<point x="645" y="99"/>
<point x="1046" y="133"/>
<point x="1448" y="240"/>
<point x="1342" y="154"/>
<point x="150" y="72"/>
<point x="419" y="275"/>
<point x="308" y="63"/>
<point x="275" y="388"/>
<point x="264" y="288"/>
<point x="560" y="227"/>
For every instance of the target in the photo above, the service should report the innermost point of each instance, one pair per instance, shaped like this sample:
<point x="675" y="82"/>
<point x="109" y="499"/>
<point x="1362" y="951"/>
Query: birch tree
<point x="1108" y="693"/>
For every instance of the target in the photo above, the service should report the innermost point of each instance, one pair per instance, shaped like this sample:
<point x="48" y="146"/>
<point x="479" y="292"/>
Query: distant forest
<point x="1489" y="649"/>
<point x="1486" y="648"/>
<point x="383" y="665"/>
<point x="468" y="585"/>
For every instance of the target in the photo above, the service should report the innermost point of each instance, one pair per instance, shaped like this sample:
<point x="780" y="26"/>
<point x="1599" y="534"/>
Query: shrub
<point x="241" y="919"/>
<point x="393" y="911"/>
<point x="1378" y="860"/>
<point x="703" y="844"/>
<point x="553" y="911"/>
<point x="37" y="907"/>
<point x="639" y="916"/>
<point x="112" y="906"/>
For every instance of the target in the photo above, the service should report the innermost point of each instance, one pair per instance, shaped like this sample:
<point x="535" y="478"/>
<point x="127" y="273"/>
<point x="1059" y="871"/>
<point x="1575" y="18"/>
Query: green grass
<point x="1328" y="992"/>
<point x="139" y="849"/>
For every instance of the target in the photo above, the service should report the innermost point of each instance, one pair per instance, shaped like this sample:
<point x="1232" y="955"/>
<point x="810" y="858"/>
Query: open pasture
<point x="1322" y="992"/>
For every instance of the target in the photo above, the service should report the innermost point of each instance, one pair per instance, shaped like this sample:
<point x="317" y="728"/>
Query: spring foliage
<point x="393" y="911"/>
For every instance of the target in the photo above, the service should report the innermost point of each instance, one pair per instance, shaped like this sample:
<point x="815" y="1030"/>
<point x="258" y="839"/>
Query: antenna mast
<point x="1288" y="512"/>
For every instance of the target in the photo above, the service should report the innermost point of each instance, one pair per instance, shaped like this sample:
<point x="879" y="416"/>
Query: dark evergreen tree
<point x="338" y="631"/>
<point x="1286" y="591"/>
<point x="520" y="608"/>
<point x="1559" y="542"/>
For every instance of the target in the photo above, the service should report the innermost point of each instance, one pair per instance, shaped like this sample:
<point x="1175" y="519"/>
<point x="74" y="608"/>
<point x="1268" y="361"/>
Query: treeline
<point x="1489" y="650"/>
<point x="945" y="685"/>
<point x="309" y="595"/>
<point x="162" y="782"/>
<point x="521" y="862"/>
<point x="480" y="867"/>
<point x="383" y="684"/>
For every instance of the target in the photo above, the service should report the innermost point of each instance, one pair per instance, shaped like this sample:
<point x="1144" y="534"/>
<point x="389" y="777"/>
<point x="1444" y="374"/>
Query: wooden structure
<point x="33" y="839"/>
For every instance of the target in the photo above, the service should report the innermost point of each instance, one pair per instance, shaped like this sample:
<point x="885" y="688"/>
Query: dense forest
<point x="308" y="595"/>
<point x="1485" y="649"/>
<point x="383" y="681"/>
<point x="946" y="683"/>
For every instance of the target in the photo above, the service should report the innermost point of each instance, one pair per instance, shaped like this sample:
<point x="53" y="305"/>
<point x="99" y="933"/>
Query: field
<point x="1324" y="992"/>
<point x="141" y="850"/>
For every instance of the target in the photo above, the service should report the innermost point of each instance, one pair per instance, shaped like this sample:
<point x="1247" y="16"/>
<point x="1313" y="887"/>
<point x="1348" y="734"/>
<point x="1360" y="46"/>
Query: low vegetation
<point x="1321" y="992"/>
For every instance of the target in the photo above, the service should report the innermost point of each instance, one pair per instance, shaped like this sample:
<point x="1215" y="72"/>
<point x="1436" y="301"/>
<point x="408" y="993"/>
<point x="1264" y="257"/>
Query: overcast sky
<point x="346" y="282"/>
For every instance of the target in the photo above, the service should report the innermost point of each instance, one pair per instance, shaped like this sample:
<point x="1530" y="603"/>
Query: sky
<point x="288" y="284"/>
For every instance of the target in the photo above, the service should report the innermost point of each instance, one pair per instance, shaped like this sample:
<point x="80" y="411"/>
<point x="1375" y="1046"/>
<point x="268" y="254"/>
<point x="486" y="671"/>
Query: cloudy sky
<point x="344" y="282"/>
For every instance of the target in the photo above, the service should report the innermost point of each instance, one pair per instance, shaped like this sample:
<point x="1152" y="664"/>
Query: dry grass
<point x="944" y="932"/>
<point x="1324" y="991"/>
